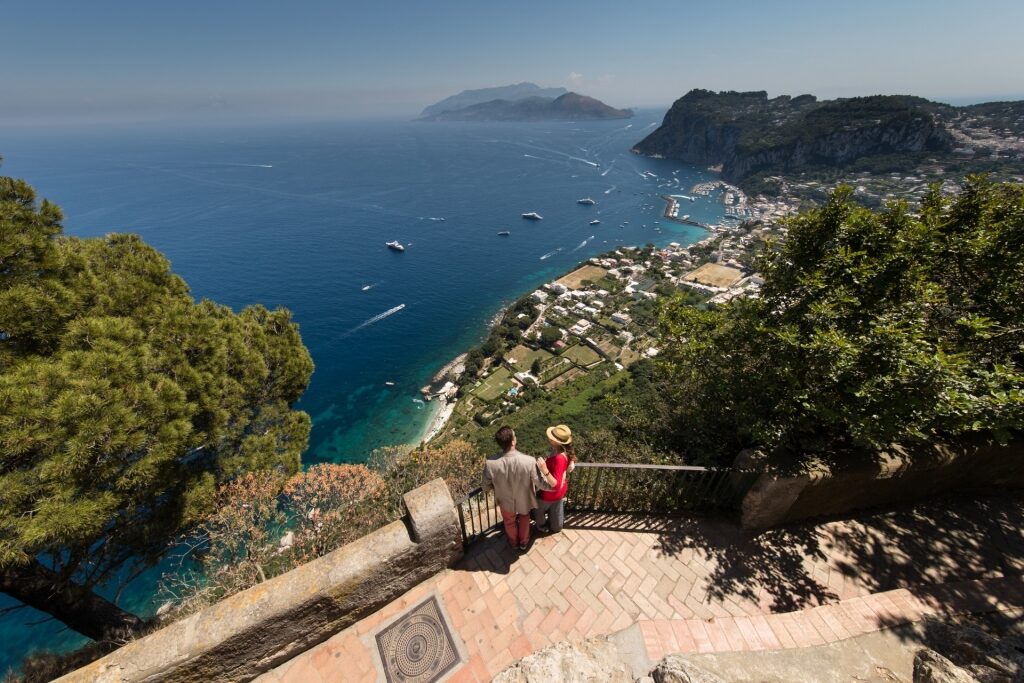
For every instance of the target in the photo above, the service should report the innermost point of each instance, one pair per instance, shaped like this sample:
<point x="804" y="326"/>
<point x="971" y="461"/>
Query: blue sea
<point x="297" y="215"/>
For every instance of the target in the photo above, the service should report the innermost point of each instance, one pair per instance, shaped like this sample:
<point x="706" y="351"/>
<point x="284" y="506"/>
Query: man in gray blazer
<point x="515" y="478"/>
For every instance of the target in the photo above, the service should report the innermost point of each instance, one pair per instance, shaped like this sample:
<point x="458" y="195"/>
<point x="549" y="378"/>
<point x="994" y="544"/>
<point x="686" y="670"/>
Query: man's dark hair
<point x="504" y="437"/>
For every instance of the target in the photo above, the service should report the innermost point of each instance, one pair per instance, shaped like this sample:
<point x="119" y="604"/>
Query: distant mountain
<point x="467" y="98"/>
<point x="568" y="107"/>
<point x="749" y="134"/>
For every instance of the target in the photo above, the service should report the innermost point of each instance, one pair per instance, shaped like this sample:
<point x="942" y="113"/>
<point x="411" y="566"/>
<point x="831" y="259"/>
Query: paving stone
<point x="503" y="605"/>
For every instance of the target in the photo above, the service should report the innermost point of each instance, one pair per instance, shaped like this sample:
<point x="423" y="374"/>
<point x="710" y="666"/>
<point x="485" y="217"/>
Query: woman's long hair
<point x="570" y="451"/>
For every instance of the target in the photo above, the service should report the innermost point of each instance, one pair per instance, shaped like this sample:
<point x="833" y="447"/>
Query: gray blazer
<point x="515" y="479"/>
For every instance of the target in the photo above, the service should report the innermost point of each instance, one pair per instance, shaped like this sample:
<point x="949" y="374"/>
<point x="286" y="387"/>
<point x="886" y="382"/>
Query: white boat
<point x="595" y="222"/>
<point x="586" y="201"/>
<point x="389" y="384"/>
<point x="504" y="233"/>
<point x="533" y="216"/>
<point x="395" y="244"/>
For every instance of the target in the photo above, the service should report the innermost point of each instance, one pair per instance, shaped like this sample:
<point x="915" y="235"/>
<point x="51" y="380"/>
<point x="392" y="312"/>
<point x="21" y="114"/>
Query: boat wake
<point x="582" y="244"/>
<point x="374" y="319"/>
<point x="429" y="218"/>
<point x="584" y="161"/>
<point x="550" y="254"/>
<point x="605" y="171"/>
<point x="367" y="288"/>
<point x="609" y="190"/>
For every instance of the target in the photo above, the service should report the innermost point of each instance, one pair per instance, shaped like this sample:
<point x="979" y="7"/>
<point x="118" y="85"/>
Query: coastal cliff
<point x="748" y="133"/>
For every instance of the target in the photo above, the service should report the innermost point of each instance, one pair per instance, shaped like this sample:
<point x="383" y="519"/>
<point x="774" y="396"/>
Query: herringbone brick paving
<point x="699" y="586"/>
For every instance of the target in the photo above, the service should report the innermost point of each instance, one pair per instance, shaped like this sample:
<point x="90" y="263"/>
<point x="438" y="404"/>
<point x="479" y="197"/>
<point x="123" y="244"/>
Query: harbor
<point x="672" y="213"/>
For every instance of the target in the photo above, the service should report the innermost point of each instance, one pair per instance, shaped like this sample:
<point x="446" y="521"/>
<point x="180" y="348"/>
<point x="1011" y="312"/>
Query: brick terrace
<point x="698" y="585"/>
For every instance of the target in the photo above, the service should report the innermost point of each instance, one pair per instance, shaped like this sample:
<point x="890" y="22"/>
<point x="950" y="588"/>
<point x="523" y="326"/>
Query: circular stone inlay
<point x="417" y="648"/>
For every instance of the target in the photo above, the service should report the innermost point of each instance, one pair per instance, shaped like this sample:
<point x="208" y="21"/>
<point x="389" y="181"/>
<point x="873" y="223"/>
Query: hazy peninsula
<point x="467" y="98"/>
<point x="521" y="102"/>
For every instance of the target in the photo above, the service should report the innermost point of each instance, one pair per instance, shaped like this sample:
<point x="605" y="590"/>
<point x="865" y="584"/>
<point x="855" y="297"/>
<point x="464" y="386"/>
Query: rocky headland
<point x="748" y="133"/>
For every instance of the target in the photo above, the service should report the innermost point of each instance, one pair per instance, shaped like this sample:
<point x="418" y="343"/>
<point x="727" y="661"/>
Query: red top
<point x="557" y="464"/>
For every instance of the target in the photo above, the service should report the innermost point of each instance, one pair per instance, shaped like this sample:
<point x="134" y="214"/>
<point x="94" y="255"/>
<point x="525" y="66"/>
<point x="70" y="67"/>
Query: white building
<point x="580" y="328"/>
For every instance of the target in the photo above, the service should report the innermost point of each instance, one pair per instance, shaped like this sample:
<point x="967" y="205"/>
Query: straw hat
<point x="560" y="434"/>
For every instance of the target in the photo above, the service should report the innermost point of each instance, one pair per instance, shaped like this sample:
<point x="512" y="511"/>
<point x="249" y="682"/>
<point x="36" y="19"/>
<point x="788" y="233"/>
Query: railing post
<point x="462" y="523"/>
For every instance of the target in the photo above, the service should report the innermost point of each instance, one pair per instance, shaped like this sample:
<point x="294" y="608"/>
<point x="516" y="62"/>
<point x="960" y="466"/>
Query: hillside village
<point x="601" y="318"/>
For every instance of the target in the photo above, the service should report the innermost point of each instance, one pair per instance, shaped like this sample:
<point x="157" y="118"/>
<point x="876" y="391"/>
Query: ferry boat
<point x="533" y="216"/>
<point x="504" y="233"/>
<point x="595" y="222"/>
<point x="586" y="201"/>
<point x="395" y="244"/>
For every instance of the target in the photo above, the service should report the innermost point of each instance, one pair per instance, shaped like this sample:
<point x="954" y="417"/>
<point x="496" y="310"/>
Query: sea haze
<point x="297" y="216"/>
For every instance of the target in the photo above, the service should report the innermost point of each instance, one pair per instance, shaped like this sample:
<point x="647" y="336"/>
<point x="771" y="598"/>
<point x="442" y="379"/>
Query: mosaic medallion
<point x="418" y="648"/>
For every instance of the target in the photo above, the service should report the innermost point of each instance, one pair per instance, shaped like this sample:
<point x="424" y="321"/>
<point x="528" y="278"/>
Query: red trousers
<point x="517" y="528"/>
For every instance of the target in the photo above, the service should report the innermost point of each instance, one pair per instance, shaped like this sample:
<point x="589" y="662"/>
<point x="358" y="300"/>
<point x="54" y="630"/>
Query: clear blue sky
<point x="109" y="60"/>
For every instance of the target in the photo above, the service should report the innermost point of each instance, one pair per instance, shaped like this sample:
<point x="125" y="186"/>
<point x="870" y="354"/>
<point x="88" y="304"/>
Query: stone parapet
<point x="781" y="495"/>
<point x="251" y="632"/>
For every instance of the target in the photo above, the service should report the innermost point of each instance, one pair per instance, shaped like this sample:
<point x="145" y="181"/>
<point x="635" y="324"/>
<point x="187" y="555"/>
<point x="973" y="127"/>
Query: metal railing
<point x="625" y="489"/>
<point x="478" y="514"/>
<point x="655" y="489"/>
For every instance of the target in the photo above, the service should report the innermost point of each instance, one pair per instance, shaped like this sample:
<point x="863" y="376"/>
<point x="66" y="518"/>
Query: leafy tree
<point x="872" y="328"/>
<point x="123" y="405"/>
<point x="535" y="367"/>
<point x="549" y="335"/>
<point x="490" y="345"/>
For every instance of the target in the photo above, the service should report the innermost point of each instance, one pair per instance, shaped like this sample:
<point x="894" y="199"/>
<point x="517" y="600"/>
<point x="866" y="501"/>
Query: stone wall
<point x="897" y="476"/>
<point x="251" y="632"/>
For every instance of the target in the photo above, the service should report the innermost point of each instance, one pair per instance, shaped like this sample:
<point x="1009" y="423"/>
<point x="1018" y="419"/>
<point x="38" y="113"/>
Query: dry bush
<point x="333" y="505"/>
<point x="234" y="548"/>
<point x="264" y="525"/>
<point x="457" y="462"/>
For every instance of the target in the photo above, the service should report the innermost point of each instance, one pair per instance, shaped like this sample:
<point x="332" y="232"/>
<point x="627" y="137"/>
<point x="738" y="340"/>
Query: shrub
<point x="332" y="505"/>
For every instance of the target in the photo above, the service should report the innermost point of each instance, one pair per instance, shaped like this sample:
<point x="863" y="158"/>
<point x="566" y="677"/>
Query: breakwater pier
<point x="672" y="212"/>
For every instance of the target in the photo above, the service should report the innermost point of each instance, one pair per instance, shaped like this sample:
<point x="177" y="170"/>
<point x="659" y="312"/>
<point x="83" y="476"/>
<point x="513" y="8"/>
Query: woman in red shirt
<point x="550" y="512"/>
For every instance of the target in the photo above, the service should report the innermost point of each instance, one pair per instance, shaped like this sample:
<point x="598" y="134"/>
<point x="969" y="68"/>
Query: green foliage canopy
<point x="872" y="328"/>
<point x="124" y="402"/>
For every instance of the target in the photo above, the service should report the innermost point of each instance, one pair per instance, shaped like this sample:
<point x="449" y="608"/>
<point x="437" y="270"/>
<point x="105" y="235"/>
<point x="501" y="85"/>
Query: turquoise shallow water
<point x="297" y="215"/>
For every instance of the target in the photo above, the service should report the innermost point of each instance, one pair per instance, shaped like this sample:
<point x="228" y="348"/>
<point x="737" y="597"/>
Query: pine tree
<point x="124" y="403"/>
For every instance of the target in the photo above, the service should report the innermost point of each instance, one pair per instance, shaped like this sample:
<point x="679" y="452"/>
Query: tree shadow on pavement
<point x="804" y="565"/>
